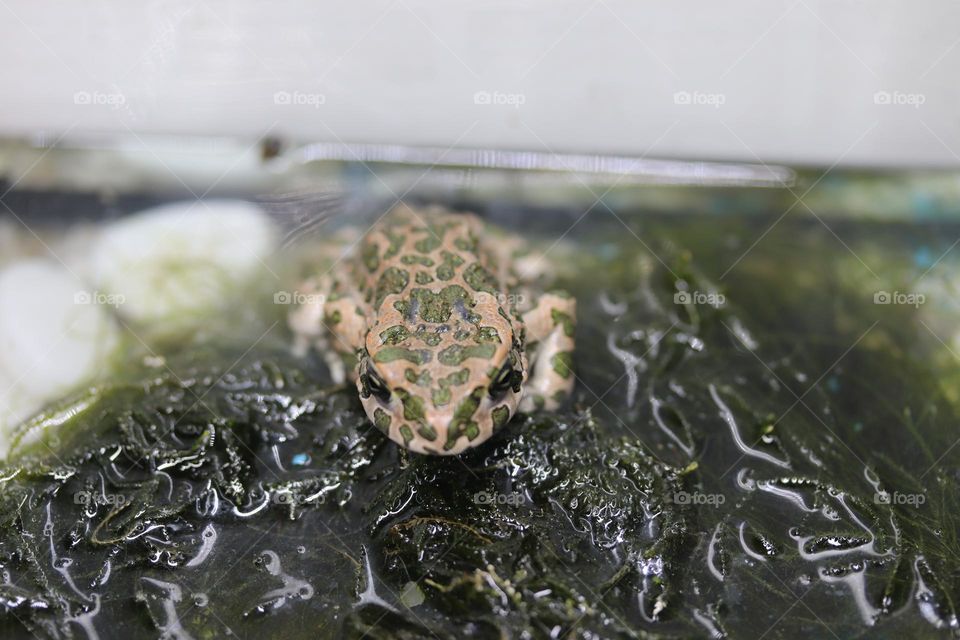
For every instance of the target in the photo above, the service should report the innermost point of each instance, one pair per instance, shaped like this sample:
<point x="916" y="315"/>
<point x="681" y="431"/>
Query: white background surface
<point x="783" y="81"/>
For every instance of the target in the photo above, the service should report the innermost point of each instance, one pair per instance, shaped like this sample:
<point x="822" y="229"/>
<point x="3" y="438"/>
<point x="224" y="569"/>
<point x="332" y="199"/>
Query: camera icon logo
<point x="282" y="297"/>
<point x="284" y="497"/>
<point x="882" y="297"/>
<point x="682" y="297"/>
<point x="482" y="97"/>
<point x="282" y="97"/>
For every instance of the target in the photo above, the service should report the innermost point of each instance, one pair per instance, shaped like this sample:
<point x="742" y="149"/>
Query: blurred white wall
<point x="799" y="81"/>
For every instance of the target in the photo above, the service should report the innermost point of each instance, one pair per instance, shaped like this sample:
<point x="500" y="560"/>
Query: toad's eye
<point x="375" y="384"/>
<point x="502" y="381"/>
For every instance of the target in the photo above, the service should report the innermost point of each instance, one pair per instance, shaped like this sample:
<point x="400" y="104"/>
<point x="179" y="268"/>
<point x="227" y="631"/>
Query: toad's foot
<point x="550" y="328"/>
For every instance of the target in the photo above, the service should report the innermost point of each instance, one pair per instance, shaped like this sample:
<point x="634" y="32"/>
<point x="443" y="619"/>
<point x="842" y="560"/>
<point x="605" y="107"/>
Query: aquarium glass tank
<point x="761" y="441"/>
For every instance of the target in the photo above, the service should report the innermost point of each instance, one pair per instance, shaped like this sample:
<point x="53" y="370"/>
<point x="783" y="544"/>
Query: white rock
<point x="53" y="338"/>
<point x="174" y="262"/>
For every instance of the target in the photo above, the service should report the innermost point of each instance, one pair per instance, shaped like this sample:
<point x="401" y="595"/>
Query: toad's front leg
<point x="549" y="332"/>
<point x="331" y="322"/>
